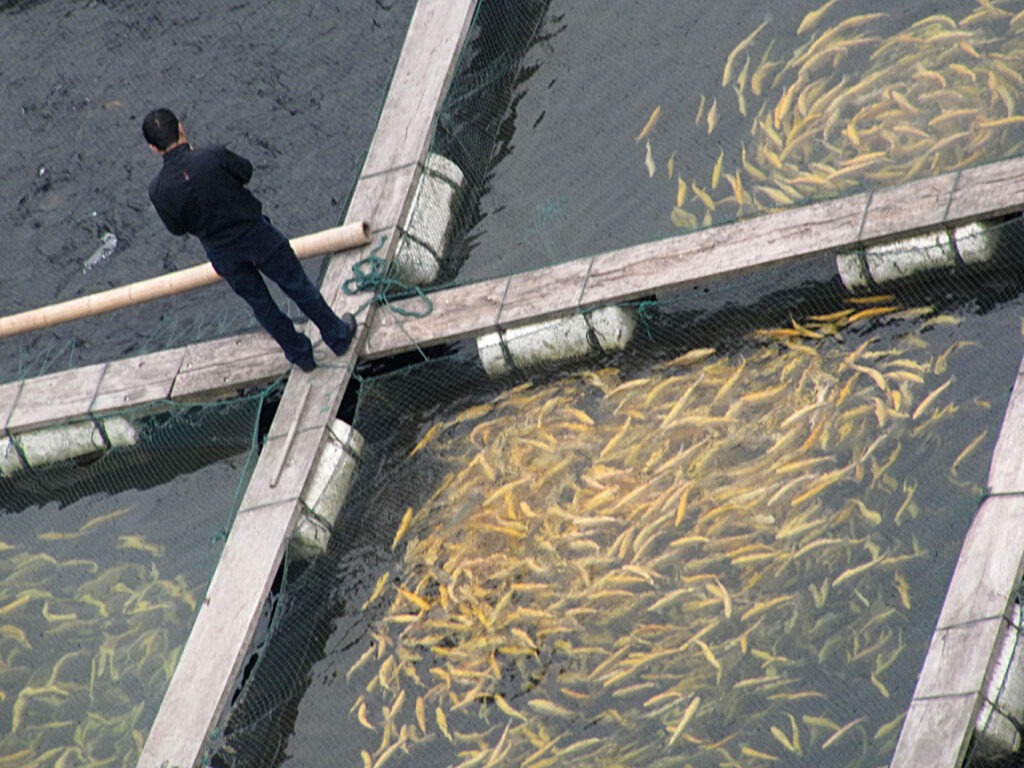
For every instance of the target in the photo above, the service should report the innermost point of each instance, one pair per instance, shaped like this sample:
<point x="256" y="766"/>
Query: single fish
<point x="652" y="122"/>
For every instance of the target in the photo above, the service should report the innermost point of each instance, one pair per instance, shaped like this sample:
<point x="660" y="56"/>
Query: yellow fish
<point x="712" y="116"/>
<point x="649" y="126"/>
<point x="743" y="45"/>
<point x="811" y="20"/>
<point x="716" y="173"/>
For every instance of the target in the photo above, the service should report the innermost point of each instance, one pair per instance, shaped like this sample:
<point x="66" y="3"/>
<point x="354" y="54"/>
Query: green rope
<point x="645" y="312"/>
<point x="370" y="274"/>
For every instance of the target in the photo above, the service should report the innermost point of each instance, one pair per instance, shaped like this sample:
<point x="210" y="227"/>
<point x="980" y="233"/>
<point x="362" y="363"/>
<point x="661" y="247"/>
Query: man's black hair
<point x="160" y="127"/>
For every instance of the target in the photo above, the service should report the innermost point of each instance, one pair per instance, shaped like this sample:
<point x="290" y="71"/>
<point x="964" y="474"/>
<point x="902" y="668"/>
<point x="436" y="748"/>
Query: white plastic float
<point x="425" y="232"/>
<point x="326" y="490"/>
<point x="570" y="338"/>
<point x="967" y="245"/>
<point x="78" y="440"/>
<point x="1002" y="702"/>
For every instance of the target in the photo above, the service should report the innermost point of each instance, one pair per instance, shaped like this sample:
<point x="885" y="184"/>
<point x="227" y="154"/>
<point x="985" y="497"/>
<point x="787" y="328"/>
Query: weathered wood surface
<point x="977" y="607"/>
<point x="225" y="366"/>
<point x="224" y="627"/>
<point x="940" y="723"/>
<point x="666" y="265"/>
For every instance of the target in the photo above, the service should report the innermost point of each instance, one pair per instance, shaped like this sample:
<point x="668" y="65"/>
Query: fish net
<point x="725" y="544"/>
<point x="108" y="544"/>
<point x="560" y="152"/>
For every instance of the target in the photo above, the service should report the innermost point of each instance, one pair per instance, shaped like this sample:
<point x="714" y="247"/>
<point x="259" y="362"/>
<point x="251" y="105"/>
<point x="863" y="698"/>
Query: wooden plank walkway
<point x="941" y="716"/>
<point x="223" y="367"/>
<point x="226" y="621"/>
<point x="940" y="721"/>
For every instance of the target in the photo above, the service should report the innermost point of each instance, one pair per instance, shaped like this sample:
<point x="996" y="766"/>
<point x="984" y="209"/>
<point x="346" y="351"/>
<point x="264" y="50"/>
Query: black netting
<point x="727" y="541"/>
<point x="107" y="552"/>
<point x="710" y="527"/>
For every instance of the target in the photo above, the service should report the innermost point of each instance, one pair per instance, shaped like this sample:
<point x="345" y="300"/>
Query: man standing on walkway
<point x="203" y="192"/>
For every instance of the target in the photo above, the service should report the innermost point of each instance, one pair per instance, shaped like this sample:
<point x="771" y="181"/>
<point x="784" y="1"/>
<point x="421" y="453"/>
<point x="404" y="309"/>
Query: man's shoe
<point x="349" y="320"/>
<point x="307" y="364"/>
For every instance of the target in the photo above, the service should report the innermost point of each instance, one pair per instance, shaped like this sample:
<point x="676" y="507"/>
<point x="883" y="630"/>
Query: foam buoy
<point x="604" y="330"/>
<point x="425" y="232"/>
<point x="1002" y="704"/>
<point x="79" y="440"/>
<point x="947" y="249"/>
<point x="326" y="490"/>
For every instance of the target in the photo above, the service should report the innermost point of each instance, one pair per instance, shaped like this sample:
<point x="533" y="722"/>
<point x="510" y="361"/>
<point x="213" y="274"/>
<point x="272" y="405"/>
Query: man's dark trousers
<point x="265" y="249"/>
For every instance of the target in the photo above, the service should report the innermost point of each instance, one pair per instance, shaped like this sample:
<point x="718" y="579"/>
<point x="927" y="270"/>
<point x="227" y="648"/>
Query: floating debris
<point x="108" y="242"/>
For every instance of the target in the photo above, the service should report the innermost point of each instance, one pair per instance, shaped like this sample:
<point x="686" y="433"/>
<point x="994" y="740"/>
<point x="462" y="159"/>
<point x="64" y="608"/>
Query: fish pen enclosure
<point x="720" y="115"/>
<point x="726" y="544"/>
<point x="108" y="543"/>
<point x="712" y="524"/>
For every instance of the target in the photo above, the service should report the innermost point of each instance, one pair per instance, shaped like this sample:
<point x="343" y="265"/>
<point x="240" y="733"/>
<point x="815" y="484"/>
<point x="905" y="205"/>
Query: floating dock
<point x="978" y="606"/>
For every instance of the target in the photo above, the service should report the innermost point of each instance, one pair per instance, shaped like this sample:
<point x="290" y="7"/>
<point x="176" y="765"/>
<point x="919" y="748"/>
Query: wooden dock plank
<point x="534" y="296"/>
<point x="224" y="623"/>
<point x="421" y="77"/>
<point x="990" y="565"/>
<point x="976" y="607"/>
<point x="944" y="726"/>
<point x="669" y="264"/>
<point x="381" y="198"/>
<point x="137" y="380"/>
<point x="224" y="366"/>
<point x="457" y="313"/>
<point x="959" y="659"/>
<point x="888" y="208"/>
<point x="1006" y="472"/>
<point x="55" y="398"/>
<point x="8" y="397"/>
<point x="987" y="191"/>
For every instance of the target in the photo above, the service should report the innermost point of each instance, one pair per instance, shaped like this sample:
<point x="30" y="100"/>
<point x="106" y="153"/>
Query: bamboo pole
<point x="315" y="244"/>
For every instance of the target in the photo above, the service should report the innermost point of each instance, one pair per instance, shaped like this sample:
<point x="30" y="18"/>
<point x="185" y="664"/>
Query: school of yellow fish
<point x="83" y="650"/>
<point x="683" y="568"/>
<point x="851" y="109"/>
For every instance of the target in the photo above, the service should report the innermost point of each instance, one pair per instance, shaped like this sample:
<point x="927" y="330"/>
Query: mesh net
<point x="564" y="152"/>
<point x="726" y="543"/>
<point x="729" y="541"/>
<point x="104" y="560"/>
<point x="723" y="544"/>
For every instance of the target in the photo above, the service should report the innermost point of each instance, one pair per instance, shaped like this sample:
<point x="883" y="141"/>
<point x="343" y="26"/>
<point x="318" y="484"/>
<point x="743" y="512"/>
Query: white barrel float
<point x="569" y="338"/>
<point x="78" y="440"/>
<point x="425" y="232"/>
<point x="326" y="490"/>
<point x="1002" y="701"/>
<point x="968" y="245"/>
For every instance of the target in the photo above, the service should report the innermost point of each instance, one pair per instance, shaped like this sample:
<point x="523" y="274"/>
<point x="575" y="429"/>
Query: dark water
<point x="296" y="87"/>
<point x="103" y="565"/>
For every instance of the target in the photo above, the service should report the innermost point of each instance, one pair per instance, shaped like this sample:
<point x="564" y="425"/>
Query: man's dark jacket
<point x="202" y="192"/>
